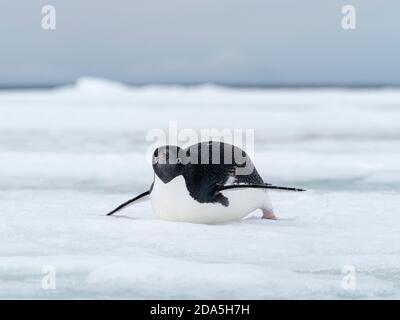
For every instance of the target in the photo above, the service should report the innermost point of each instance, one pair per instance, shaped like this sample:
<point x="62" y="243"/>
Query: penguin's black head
<point x="167" y="162"/>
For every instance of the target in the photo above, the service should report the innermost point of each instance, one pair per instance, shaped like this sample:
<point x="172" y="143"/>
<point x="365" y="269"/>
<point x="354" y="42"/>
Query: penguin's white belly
<point x="172" y="201"/>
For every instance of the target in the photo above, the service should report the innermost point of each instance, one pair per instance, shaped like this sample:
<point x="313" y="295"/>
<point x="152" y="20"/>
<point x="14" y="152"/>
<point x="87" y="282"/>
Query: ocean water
<point x="69" y="155"/>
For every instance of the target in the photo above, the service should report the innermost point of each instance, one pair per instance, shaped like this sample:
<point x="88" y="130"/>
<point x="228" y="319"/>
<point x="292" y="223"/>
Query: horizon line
<point x="235" y="85"/>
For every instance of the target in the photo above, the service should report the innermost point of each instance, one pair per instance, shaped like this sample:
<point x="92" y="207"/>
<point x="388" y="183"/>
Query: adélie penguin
<point x="209" y="182"/>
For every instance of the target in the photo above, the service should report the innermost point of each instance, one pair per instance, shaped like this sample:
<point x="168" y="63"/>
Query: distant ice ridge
<point x="273" y="114"/>
<point x="97" y="84"/>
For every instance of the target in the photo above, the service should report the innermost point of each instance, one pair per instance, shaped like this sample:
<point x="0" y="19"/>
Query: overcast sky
<point x="175" y="41"/>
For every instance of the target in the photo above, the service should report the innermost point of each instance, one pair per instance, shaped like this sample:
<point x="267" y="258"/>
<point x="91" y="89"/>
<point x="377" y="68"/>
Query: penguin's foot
<point x="268" y="214"/>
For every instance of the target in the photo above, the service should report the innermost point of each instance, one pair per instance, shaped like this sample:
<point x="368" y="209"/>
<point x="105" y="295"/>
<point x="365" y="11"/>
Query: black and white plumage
<point x="209" y="182"/>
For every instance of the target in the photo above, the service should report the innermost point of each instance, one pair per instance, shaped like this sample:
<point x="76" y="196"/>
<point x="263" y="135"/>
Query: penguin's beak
<point x="162" y="157"/>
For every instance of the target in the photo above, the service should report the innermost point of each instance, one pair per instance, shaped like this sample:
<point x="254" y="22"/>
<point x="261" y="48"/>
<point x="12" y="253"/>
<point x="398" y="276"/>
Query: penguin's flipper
<point x="141" y="197"/>
<point x="257" y="186"/>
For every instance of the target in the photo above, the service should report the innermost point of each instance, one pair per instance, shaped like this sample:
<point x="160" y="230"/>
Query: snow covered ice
<point x="69" y="155"/>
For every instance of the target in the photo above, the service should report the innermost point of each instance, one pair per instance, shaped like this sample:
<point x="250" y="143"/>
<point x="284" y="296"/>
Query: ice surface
<point x="67" y="156"/>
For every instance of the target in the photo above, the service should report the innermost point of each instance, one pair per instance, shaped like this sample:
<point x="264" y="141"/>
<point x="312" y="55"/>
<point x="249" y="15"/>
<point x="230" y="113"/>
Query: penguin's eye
<point x="178" y="160"/>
